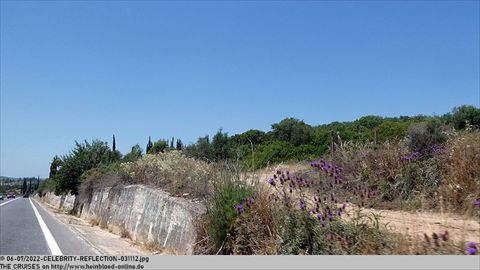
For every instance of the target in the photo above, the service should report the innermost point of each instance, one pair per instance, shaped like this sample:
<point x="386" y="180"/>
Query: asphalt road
<point x="27" y="228"/>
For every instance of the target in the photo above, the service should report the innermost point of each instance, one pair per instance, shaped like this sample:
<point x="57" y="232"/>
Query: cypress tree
<point x="113" y="144"/>
<point x="30" y="186"/>
<point x="179" y="144"/>
<point x="24" y="186"/>
<point x="149" y="145"/>
<point x="171" y="143"/>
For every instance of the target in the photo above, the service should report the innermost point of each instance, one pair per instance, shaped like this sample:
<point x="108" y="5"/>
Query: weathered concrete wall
<point x="147" y="215"/>
<point x="64" y="202"/>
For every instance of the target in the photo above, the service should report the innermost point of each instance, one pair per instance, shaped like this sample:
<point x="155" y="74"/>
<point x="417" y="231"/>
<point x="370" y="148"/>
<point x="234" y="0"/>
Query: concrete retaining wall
<point x="146" y="215"/>
<point x="64" y="202"/>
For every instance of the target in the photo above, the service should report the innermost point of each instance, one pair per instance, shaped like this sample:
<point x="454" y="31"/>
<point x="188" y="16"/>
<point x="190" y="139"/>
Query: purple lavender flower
<point x="472" y="245"/>
<point x="322" y="223"/>
<point x="302" y="204"/>
<point x="240" y="208"/>
<point x="477" y="202"/>
<point x="319" y="216"/>
<point x="472" y="251"/>
<point x="271" y="181"/>
<point x="472" y="248"/>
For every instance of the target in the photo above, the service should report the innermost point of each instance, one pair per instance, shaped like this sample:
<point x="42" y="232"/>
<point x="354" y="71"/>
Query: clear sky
<point x="86" y="69"/>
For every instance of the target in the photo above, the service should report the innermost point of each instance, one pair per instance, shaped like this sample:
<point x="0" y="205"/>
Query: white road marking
<point x="1" y="204"/>
<point x="52" y="244"/>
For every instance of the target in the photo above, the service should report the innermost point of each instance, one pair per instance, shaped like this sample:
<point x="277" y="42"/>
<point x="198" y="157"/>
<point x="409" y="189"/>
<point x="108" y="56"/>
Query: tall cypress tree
<point x="113" y="144"/>
<point x="171" y="143"/>
<point x="24" y="186"/>
<point x="179" y="144"/>
<point x="30" y="186"/>
<point x="149" y="145"/>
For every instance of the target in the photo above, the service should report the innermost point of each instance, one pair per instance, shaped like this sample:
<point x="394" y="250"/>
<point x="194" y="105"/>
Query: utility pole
<point x="332" y="143"/>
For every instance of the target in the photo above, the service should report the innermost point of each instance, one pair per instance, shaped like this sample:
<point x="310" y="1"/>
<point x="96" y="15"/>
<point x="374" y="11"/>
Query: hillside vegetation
<point x="299" y="189"/>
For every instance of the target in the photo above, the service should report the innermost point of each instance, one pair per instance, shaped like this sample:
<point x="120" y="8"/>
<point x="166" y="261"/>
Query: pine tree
<point x="113" y="144"/>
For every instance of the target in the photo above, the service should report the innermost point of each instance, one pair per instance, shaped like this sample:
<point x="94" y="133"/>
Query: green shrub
<point x="300" y="233"/>
<point x="229" y="189"/>
<point x="422" y="137"/>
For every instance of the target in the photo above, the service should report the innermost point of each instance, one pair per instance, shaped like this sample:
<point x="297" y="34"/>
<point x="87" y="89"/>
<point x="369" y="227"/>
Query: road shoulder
<point x="102" y="241"/>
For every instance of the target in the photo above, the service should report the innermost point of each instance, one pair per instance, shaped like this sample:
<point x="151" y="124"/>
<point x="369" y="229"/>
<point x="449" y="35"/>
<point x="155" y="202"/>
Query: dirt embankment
<point x="460" y="228"/>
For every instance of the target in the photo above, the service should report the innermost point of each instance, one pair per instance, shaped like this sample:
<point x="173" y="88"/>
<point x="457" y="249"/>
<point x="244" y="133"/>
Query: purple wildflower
<point x="322" y="223"/>
<point x="302" y="204"/>
<point x="477" y="202"/>
<point x="240" y="208"/>
<point x="472" y="248"/>
<point x="271" y="181"/>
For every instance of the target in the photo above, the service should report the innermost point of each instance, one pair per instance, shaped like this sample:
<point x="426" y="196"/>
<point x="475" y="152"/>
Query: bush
<point x="229" y="190"/>
<point x="416" y="180"/>
<point x="461" y="185"/>
<point x="465" y="114"/>
<point x="255" y="230"/>
<point x="362" y="235"/>
<point x="171" y="171"/>
<point x="422" y="137"/>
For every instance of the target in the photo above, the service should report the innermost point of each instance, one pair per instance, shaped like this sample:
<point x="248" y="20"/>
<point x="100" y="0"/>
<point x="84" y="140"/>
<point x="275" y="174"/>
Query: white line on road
<point x="52" y="244"/>
<point x="9" y="201"/>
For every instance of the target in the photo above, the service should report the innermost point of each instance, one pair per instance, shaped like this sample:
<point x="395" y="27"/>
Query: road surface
<point x="27" y="228"/>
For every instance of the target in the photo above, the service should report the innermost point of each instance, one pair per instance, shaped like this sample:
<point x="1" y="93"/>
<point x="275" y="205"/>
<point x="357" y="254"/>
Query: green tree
<point x="294" y="131"/>
<point x="82" y="158"/>
<point x="134" y="154"/>
<point x="158" y="147"/>
<point x="179" y="144"/>
<point x="24" y="186"/>
<point x="463" y="114"/>
<point x="113" y="144"/>
<point x="220" y="146"/>
<point x="149" y="145"/>
<point x="56" y="163"/>
<point x="390" y="130"/>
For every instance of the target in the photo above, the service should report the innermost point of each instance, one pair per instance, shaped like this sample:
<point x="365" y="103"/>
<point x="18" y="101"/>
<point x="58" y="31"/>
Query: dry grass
<point x="171" y="171"/>
<point x="461" y="183"/>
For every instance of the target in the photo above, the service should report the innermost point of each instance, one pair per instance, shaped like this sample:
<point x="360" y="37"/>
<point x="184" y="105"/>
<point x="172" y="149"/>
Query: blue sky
<point x="85" y="70"/>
